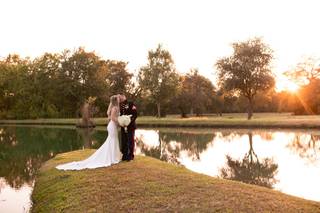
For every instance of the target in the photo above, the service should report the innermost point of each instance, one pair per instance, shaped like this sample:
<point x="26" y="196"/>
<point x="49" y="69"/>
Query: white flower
<point x="124" y="120"/>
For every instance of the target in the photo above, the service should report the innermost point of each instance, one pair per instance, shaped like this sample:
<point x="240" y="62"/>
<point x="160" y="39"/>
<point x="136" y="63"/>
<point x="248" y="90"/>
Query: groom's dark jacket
<point x="128" y="108"/>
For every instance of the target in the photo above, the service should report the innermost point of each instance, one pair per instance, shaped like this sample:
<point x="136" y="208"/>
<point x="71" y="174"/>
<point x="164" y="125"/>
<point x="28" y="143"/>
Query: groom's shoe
<point x="126" y="159"/>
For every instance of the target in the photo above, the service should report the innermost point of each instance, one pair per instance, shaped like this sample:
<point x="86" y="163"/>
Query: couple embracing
<point x="110" y="153"/>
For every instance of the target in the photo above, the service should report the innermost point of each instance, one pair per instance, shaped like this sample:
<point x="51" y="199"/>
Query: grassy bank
<point x="233" y="120"/>
<point x="149" y="185"/>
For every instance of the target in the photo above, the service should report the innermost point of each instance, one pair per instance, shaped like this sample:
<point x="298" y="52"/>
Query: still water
<point x="286" y="160"/>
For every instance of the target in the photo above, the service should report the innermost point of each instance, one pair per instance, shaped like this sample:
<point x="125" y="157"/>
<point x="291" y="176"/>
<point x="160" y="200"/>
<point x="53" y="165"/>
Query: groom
<point x="127" y="138"/>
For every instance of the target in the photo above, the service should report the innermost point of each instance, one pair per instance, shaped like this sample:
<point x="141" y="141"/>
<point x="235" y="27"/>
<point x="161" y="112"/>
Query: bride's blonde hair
<point x="113" y="103"/>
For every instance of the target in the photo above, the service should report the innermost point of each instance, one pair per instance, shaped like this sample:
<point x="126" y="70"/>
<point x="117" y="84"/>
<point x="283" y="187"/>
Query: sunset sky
<point x="196" y="32"/>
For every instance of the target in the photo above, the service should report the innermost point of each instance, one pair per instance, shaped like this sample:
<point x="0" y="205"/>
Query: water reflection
<point x="90" y="138"/>
<point x="307" y="146"/>
<point x="250" y="169"/>
<point x="164" y="151"/>
<point x="22" y="152"/>
<point x="12" y="200"/>
<point x="285" y="160"/>
<point x="171" y="144"/>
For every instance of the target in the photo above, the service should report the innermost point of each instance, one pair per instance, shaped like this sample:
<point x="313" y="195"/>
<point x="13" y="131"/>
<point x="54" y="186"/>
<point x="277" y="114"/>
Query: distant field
<point x="233" y="120"/>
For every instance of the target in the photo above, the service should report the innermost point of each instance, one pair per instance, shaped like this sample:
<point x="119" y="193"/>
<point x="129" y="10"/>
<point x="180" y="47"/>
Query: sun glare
<point x="287" y="85"/>
<point x="292" y="87"/>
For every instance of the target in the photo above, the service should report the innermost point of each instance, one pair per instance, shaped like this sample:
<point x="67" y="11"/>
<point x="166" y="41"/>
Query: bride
<point x="109" y="153"/>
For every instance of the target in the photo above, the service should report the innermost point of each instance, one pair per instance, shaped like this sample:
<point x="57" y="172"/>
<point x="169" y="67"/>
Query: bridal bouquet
<point x="124" y="121"/>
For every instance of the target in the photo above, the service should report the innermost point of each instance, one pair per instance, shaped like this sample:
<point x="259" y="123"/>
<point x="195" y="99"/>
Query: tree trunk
<point x="159" y="110"/>
<point x="191" y="111"/>
<point x="183" y="113"/>
<point x="250" y="108"/>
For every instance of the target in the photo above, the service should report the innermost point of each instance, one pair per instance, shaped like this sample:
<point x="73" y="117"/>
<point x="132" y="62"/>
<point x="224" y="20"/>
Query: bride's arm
<point x="114" y="115"/>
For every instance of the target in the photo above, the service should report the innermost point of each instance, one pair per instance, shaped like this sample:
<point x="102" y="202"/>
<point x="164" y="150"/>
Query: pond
<point x="286" y="160"/>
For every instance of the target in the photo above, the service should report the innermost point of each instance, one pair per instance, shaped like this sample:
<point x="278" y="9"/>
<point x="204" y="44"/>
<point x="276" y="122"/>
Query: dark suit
<point x="127" y="138"/>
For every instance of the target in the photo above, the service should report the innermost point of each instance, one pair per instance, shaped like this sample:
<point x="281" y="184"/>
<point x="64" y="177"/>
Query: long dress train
<point x="108" y="154"/>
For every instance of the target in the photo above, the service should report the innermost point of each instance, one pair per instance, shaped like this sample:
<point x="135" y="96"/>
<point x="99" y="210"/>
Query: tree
<point x="218" y="102"/>
<point x="195" y="93"/>
<point x="307" y="75"/>
<point x="118" y="78"/>
<point x="45" y="92"/>
<point x="15" y="87"/>
<point x="305" y="71"/>
<point x="181" y="102"/>
<point x="307" y="98"/>
<point x="57" y="84"/>
<point x="159" y="79"/>
<point x="83" y="75"/>
<point x="247" y="71"/>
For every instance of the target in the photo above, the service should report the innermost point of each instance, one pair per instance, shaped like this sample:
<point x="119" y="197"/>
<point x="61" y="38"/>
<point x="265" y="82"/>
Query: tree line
<point x="58" y="84"/>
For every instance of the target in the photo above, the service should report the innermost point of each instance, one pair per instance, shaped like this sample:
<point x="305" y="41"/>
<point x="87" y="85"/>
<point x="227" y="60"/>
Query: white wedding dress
<point x="108" y="154"/>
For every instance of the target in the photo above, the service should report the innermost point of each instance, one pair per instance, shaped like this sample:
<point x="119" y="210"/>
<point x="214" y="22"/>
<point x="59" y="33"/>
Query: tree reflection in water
<point x="91" y="138"/>
<point x="171" y="144"/>
<point x="306" y="146"/>
<point x="250" y="169"/>
<point x="164" y="151"/>
<point x="24" y="149"/>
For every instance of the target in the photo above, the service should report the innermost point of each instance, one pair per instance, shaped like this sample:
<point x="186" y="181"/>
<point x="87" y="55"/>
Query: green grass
<point x="149" y="185"/>
<point x="232" y="120"/>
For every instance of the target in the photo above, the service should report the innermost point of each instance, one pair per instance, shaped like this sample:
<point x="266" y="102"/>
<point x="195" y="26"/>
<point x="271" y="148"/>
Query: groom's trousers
<point x="127" y="144"/>
<point x="131" y="144"/>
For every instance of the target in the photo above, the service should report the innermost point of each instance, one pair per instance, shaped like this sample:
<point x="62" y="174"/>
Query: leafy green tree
<point x="83" y="75"/>
<point x="218" y="102"/>
<point x="56" y="85"/>
<point x="79" y="72"/>
<point x="118" y="77"/>
<point x="247" y="71"/>
<point x="195" y="94"/>
<point x="159" y="79"/>
<point x="45" y="93"/>
<point x="181" y="102"/>
<point x="15" y="84"/>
